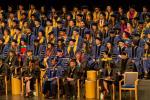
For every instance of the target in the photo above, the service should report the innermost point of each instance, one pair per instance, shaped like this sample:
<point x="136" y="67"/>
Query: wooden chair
<point x="130" y="83"/>
<point x="6" y="84"/>
<point x="36" y="86"/>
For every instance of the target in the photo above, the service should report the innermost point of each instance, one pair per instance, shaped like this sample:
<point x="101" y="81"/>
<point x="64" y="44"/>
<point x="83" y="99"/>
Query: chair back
<point x="130" y="78"/>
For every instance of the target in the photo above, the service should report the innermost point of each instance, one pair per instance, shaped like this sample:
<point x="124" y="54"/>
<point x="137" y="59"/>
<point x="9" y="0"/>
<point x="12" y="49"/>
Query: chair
<point x="130" y="83"/>
<point x="23" y="85"/>
<point x="6" y="82"/>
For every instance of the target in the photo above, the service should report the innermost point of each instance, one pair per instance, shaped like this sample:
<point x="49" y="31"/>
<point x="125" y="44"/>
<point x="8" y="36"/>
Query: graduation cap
<point x="23" y="39"/>
<point x="84" y="7"/>
<point x="52" y="32"/>
<point x="14" y="40"/>
<point x="112" y="32"/>
<point x="61" y="40"/>
<point x="59" y="50"/>
<point x="63" y="30"/>
<point x="36" y="40"/>
<point x="141" y="21"/>
<point x="49" y="21"/>
<point x="73" y="40"/>
<point x="76" y="29"/>
<point x="52" y="44"/>
<point x="17" y="28"/>
<point x="97" y="38"/>
<point x="80" y="15"/>
<point x="16" y="21"/>
<point x="59" y="22"/>
<point x="136" y="35"/>
<point x="123" y="18"/>
<point x="94" y="24"/>
<point x="38" y="20"/>
<point x="114" y="15"/>
<point x="29" y="50"/>
<point x="121" y="41"/>
<point x="88" y="32"/>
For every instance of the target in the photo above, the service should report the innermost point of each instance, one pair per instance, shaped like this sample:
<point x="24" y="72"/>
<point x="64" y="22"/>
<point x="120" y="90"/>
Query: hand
<point x="145" y="58"/>
<point x="70" y="79"/>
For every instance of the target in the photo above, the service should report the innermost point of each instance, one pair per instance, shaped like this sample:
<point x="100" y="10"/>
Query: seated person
<point x="3" y="72"/>
<point x="71" y="76"/>
<point x="50" y="79"/>
<point x="30" y="74"/>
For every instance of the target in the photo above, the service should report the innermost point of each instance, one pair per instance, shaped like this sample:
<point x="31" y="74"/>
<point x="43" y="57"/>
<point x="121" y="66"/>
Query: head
<point x="11" y="53"/>
<point x="121" y="43"/>
<point x="73" y="63"/>
<point x="54" y="61"/>
<point x="98" y="41"/>
<point x="108" y="45"/>
<point x="59" y="53"/>
<point x="6" y="32"/>
<point x="29" y="53"/>
<point x="71" y="23"/>
<point x="78" y="55"/>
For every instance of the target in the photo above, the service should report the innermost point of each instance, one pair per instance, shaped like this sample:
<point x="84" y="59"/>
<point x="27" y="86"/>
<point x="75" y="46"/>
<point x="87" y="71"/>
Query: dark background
<point x="70" y="3"/>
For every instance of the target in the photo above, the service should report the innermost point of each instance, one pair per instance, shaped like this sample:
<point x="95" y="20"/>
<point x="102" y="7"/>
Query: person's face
<point x="1" y="42"/>
<point x="32" y="7"/>
<point x="52" y="36"/>
<point x="120" y="10"/>
<point x="148" y="36"/>
<point x="72" y="64"/>
<point x="71" y="43"/>
<point x="96" y="9"/>
<point x="40" y="34"/>
<point x="22" y="42"/>
<point x="48" y="23"/>
<point x="131" y="9"/>
<point x="68" y="17"/>
<point x="53" y="62"/>
<point x="64" y="9"/>
<point x="53" y="10"/>
<point x="108" y="8"/>
<point x="98" y="42"/>
<point x="82" y="24"/>
<point x="144" y="9"/>
<point x="105" y="55"/>
<point x="146" y="46"/>
<point x="87" y="35"/>
<point x="29" y="53"/>
<point x="109" y="45"/>
<point x="11" y="54"/>
<point x="28" y="31"/>
<point x="49" y="46"/>
<point x="75" y="9"/>
<point x="59" y="25"/>
<point x="121" y="44"/>
<point x="101" y="16"/>
<point x="71" y="23"/>
<point x="14" y="24"/>
<point x="20" y="7"/>
<point x="59" y="43"/>
<point x="5" y="32"/>
<point x="94" y="27"/>
<point x="36" y="23"/>
<point x="17" y="31"/>
<point x="88" y="17"/>
<point x="11" y="15"/>
<point x="78" y="55"/>
<point x="112" y="35"/>
<point x="42" y="9"/>
<point x="35" y="43"/>
<point x="10" y="9"/>
<point x="25" y="24"/>
<point x="13" y="43"/>
<point x="59" y="54"/>
<point x="75" y="33"/>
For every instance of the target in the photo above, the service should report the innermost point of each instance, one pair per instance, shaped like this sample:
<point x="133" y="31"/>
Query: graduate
<point x="48" y="28"/>
<point x="70" y="28"/>
<point x="30" y="74"/>
<point x="50" y="79"/>
<point x="71" y="77"/>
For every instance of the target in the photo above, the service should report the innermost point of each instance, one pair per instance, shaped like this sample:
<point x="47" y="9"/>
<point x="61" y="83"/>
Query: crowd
<point x="67" y="43"/>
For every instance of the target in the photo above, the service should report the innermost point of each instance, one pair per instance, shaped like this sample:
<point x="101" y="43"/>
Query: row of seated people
<point x="92" y="50"/>
<point x="67" y="73"/>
